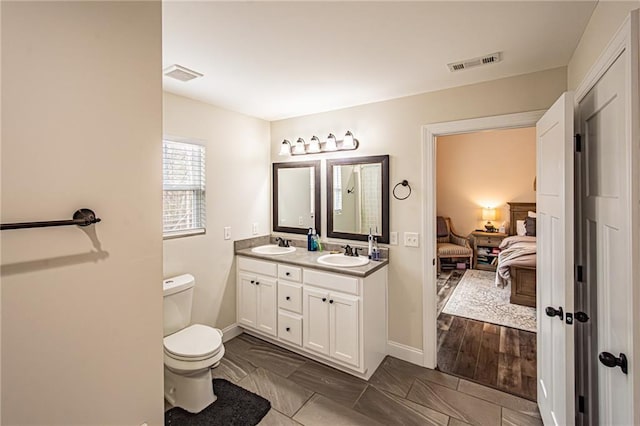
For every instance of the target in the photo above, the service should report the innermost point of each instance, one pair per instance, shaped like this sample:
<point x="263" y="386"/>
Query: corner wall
<point x="606" y="19"/>
<point x="238" y="189"/>
<point x="394" y="127"/>
<point x="82" y="125"/>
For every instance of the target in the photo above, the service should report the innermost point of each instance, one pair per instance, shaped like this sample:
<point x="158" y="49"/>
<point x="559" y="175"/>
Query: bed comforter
<point x="514" y="251"/>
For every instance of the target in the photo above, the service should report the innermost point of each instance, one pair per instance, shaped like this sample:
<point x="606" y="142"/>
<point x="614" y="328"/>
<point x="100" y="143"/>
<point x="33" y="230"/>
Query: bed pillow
<point x="530" y="226"/>
<point x="531" y="214"/>
<point x="520" y="229"/>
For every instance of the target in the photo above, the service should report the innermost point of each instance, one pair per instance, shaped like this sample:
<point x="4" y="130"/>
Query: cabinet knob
<point x="288" y="329"/>
<point x="324" y="299"/>
<point x="257" y="282"/>
<point x="287" y="273"/>
<point x="331" y="301"/>
<point x="253" y="281"/>
<point x="288" y="298"/>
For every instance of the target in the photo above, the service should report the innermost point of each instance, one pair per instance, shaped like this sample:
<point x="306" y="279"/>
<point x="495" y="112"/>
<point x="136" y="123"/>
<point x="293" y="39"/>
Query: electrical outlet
<point x="411" y="239"/>
<point x="227" y="232"/>
<point x="254" y="229"/>
<point x="393" y="238"/>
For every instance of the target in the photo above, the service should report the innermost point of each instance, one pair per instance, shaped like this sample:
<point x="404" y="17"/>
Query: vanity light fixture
<point x="315" y="146"/>
<point x="285" y="148"/>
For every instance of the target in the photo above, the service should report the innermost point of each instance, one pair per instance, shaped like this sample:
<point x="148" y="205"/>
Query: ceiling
<point x="276" y="60"/>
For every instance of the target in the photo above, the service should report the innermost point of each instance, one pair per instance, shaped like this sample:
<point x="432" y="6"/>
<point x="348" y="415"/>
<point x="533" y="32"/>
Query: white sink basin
<point x="342" y="261"/>
<point x="273" y="249"/>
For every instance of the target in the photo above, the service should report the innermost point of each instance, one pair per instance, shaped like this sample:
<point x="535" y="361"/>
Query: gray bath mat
<point x="235" y="406"/>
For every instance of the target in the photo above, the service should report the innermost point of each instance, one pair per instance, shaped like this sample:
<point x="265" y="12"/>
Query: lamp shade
<point x="331" y="143"/>
<point x="488" y="214"/>
<point x="285" y="148"/>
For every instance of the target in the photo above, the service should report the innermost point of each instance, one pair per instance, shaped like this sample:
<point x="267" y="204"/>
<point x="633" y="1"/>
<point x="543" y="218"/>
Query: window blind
<point x="183" y="196"/>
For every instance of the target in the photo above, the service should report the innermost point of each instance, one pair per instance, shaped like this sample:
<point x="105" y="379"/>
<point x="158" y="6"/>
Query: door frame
<point x="429" y="270"/>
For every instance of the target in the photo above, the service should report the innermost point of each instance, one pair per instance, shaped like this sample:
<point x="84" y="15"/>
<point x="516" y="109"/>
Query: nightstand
<point x="485" y="249"/>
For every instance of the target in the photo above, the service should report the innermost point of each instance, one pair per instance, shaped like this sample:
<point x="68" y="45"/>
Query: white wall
<point x="238" y="189"/>
<point x="606" y="19"/>
<point x="82" y="125"/>
<point x="394" y="127"/>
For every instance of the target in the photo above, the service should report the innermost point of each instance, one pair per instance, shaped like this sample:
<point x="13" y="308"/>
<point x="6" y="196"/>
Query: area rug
<point x="447" y="282"/>
<point x="235" y="406"/>
<point x="477" y="297"/>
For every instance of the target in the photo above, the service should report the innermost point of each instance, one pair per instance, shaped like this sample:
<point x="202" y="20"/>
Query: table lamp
<point x="489" y="214"/>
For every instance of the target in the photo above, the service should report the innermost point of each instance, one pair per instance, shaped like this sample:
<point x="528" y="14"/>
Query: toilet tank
<point x="178" y="297"/>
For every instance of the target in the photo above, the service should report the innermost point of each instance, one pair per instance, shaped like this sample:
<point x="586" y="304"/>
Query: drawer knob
<point x="331" y="301"/>
<point x="324" y="299"/>
<point x="253" y="281"/>
<point x="288" y="297"/>
<point x="288" y="329"/>
<point x="257" y="282"/>
<point x="287" y="273"/>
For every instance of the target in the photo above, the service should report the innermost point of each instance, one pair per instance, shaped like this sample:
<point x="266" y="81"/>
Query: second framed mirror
<point x="358" y="198"/>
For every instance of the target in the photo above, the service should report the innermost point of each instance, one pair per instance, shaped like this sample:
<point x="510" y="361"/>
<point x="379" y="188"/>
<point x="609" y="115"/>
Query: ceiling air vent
<point x="181" y="73"/>
<point x="475" y="62"/>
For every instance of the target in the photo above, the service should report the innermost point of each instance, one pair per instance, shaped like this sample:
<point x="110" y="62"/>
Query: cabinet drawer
<point x="290" y="273"/>
<point x="257" y="266"/>
<point x="290" y="328"/>
<point x="331" y="281"/>
<point x="290" y="296"/>
<point x="488" y="241"/>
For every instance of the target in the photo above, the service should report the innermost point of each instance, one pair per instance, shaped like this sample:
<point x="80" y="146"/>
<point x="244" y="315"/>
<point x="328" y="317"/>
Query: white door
<point x="555" y="262"/>
<point x="316" y="320"/>
<point x="267" y="308"/>
<point x="605" y="222"/>
<point x="247" y="300"/>
<point x="344" y="323"/>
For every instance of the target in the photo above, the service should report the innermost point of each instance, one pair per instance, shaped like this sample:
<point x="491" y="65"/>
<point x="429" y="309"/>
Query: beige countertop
<point x="309" y="259"/>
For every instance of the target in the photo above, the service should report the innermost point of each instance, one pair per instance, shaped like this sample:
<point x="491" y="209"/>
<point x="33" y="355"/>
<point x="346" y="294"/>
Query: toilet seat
<point x="194" y="343"/>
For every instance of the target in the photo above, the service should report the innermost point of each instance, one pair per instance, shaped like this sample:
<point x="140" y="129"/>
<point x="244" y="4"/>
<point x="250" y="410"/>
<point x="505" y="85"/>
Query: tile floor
<point x="305" y="392"/>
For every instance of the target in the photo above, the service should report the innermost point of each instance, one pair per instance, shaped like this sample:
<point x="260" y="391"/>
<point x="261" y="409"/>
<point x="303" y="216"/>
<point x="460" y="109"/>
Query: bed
<point x="517" y="259"/>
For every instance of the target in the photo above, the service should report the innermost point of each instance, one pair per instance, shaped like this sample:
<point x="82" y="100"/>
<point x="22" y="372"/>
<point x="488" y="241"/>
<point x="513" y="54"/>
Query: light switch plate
<point x="254" y="229"/>
<point x="300" y="220"/>
<point x="411" y="239"/>
<point x="393" y="238"/>
<point x="227" y="232"/>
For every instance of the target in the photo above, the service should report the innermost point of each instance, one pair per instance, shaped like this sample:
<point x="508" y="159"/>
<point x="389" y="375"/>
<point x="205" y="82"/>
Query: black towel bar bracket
<point x="82" y="217"/>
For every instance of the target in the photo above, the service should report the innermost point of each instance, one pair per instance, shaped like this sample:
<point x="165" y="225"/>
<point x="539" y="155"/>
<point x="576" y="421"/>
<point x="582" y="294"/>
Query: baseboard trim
<point x="405" y="353"/>
<point x="230" y="332"/>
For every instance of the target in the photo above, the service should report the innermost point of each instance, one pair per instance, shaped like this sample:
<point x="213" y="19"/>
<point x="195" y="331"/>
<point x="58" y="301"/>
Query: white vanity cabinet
<point x="257" y="292"/>
<point x="334" y="318"/>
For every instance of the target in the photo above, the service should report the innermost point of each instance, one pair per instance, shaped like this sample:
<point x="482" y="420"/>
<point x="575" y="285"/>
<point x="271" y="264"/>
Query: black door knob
<point x="581" y="316"/>
<point x="609" y="360"/>
<point x="552" y="312"/>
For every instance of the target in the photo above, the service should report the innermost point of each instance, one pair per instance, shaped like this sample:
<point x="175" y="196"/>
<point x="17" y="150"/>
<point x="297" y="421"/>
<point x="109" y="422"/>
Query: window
<point x="183" y="195"/>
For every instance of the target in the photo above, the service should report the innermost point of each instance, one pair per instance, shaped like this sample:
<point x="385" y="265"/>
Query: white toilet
<point x="190" y="351"/>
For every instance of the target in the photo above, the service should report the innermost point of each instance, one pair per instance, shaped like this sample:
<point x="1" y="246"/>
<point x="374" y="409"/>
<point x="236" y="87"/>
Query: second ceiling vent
<point x="475" y="62"/>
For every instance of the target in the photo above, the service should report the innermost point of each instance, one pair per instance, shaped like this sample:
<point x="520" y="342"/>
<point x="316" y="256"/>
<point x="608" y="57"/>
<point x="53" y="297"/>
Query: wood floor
<point x="501" y="357"/>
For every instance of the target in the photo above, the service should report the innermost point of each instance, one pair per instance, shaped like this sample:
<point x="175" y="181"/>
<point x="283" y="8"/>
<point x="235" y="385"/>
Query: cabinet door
<point x="316" y="320"/>
<point x="344" y="325"/>
<point x="247" y="300"/>
<point x="267" y="309"/>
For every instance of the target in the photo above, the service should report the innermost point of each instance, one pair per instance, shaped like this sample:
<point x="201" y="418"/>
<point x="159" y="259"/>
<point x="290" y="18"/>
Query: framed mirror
<point x="358" y="198"/>
<point x="296" y="197"/>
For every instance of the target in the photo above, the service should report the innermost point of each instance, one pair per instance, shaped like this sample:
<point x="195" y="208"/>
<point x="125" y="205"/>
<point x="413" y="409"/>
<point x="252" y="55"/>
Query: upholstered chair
<point x="451" y="245"/>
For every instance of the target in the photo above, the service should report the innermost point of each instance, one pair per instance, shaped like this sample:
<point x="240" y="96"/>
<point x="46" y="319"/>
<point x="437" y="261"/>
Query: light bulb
<point x="330" y="145"/>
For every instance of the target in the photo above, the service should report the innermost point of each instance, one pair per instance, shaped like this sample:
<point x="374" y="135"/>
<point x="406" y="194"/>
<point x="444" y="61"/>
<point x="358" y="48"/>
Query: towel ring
<point x="403" y="183"/>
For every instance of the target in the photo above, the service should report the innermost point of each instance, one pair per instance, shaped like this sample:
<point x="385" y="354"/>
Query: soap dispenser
<point x="309" y="241"/>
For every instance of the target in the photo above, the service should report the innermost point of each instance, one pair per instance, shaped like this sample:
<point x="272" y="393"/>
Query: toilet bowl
<point x="190" y="351"/>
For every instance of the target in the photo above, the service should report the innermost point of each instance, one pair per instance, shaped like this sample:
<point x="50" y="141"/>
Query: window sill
<point x="185" y="233"/>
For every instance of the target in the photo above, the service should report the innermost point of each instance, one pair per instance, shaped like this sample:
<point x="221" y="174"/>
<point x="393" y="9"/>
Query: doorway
<point x="486" y="334"/>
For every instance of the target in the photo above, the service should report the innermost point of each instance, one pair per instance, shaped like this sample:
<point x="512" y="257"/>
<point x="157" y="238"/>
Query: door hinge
<point x="579" y="273"/>
<point x="580" y="404"/>
<point x="578" y="142"/>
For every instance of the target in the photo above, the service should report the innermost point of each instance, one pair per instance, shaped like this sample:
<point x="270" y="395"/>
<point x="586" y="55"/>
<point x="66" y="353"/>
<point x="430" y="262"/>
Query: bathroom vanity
<point x="333" y="315"/>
